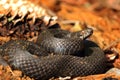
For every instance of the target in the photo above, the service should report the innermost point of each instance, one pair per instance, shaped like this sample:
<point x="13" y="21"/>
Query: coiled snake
<point x="86" y="57"/>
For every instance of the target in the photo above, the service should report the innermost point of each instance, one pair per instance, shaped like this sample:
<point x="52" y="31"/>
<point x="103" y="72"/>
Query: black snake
<point x="86" y="57"/>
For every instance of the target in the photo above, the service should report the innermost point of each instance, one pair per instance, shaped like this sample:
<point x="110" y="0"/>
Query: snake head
<point x="83" y="34"/>
<point x="86" y="33"/>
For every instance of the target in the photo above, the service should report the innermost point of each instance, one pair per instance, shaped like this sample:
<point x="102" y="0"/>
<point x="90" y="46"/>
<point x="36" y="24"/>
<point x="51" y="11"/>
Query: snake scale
<point x="71" y="55"/>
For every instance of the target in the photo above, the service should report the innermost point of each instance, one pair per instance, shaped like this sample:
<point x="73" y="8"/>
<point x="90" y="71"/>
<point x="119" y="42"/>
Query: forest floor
<point x="73" y="15"/>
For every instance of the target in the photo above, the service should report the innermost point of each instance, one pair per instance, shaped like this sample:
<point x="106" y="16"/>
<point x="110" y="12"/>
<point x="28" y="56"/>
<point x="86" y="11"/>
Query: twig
<point x="112" y="44"/>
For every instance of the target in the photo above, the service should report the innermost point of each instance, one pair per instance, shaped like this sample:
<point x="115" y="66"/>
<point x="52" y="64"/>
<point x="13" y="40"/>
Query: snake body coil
<point x="21" y="55"/>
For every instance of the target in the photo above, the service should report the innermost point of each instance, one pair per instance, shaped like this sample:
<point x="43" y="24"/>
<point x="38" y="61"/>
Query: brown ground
<point x="104" y="18"/>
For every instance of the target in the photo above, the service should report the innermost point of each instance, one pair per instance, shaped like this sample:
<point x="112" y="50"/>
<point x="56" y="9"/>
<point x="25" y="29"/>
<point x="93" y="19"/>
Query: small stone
<point x="114" y="70"/>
